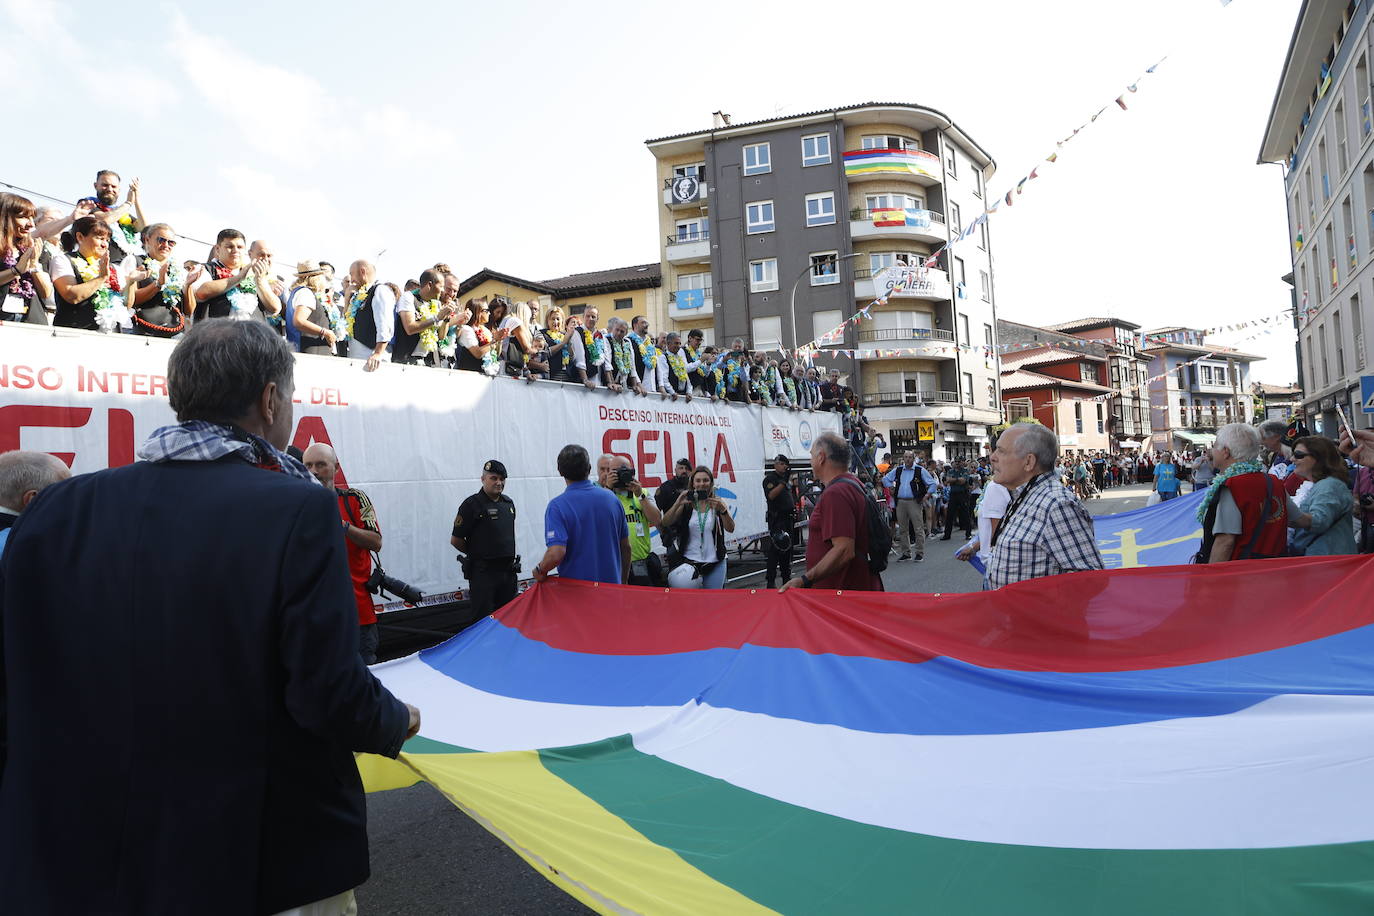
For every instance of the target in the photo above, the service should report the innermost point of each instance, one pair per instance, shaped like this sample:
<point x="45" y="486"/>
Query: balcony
<point x="909" y="398"/>
<point x="902" y="283"/>
<point x="886" y="164"/>
<point x="879" y="223"/>
<point x="935" y="343"/>
<point x="694" y="248"/>
<point x="1204" y="419"/>
<point x="683" y="191"/>
<point x="691" y="304"/>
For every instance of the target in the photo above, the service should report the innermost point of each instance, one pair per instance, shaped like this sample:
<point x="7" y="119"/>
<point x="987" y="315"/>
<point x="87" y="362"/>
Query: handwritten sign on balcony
<point x="909" y="281"/>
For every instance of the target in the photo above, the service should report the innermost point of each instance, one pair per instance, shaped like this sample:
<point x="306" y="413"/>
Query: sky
<point x="512" y="136"/>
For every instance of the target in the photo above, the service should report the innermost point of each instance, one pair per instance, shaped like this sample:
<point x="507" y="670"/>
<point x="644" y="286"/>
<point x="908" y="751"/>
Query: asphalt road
<point x="430" y="858"/>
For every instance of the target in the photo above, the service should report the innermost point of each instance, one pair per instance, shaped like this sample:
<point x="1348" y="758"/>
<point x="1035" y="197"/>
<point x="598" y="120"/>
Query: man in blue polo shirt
<point x="584" y="528"/>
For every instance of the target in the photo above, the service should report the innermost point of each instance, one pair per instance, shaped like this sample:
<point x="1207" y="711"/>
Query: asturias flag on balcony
<point x="1136" y="741"/>
<point x="868" y="161"/>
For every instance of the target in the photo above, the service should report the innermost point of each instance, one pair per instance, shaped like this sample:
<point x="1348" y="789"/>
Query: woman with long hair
<point x="478" y="348"/>
<point x="23" y="282"/>
<point x="1329" y="529"/>
<point x="556" y="346"/>
<point x="699" y="521"/>
<point x="521" y="353"/>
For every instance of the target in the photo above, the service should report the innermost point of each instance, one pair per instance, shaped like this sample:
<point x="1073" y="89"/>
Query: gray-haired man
<point x="1045" y="530"/>
<point x="23" y="475"/>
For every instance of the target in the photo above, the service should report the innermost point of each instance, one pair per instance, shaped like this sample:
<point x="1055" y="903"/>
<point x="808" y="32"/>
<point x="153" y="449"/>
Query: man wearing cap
<point x="781" y="516"/>
<point x="484" y="530"/>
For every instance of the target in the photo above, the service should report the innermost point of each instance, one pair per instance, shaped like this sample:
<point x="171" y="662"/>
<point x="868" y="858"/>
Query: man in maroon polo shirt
<point x="837" y="533"/>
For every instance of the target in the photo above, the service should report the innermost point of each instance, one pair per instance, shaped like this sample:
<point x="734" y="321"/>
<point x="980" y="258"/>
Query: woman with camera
<point x="1326" y="528"/>
<point x="699" y="522"/>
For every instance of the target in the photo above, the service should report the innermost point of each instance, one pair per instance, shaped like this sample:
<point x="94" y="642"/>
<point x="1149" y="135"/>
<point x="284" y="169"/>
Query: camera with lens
<point x="623" y="476"/>
<point x="380" y="583"/>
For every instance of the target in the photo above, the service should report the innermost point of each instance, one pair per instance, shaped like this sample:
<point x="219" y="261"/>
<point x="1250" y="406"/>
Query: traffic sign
<point x="1367" y="392"/>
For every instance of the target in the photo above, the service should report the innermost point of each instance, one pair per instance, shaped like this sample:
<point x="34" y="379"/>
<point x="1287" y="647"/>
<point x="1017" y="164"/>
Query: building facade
<point x="1128" y="405"/>
<point x="1200" y="388"/>
<point x="1277" y="402"/>
<point x="1058" y="380"/>
<point x="621" y="291"/>
<point x="1321" y="128"/>
<point x="776" y="231"/>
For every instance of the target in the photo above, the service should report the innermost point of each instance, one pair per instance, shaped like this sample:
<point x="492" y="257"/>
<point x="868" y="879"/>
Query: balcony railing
<point x="899" y="398"/>
<point x="906" y="334"/>
<point x="704" y="236"/>
<point x="920" y="216"/>
<point x="705" y="291"/>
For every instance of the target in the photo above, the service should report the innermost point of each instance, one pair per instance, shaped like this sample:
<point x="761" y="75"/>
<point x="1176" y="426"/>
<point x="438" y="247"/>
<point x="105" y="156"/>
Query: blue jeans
<point x="680" y="577"/>
<point x="1163" y="496"/>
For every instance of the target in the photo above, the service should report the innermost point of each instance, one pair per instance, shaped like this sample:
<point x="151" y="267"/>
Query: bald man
<point x="362" y="537"/>
<point x="373" y="307"/>
<point x="23" y="475"/>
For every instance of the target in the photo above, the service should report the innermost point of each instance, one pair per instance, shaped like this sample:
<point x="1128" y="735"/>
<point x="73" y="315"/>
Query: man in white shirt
<point x="673" y="360"/>
<point x="372" y="306"/>
<point x="991" y="508"/>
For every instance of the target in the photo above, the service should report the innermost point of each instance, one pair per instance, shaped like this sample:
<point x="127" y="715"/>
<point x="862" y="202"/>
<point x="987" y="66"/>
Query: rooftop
<point x="1092" y="324"/>
<point x="1313" y="36"/>
<point x="1020" y="379"/>
<point x="637" y="276"/>
<point x="1046" y="356"/>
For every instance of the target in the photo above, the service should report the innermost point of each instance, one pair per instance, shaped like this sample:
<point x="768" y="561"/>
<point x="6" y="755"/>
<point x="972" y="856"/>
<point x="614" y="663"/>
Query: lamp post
<point x="792" y="299"/>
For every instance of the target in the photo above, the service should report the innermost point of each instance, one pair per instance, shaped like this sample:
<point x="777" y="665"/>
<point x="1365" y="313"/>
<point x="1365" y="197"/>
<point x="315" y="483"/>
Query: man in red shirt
<point x="837" y="533"/>
<point x="362" y="537"/>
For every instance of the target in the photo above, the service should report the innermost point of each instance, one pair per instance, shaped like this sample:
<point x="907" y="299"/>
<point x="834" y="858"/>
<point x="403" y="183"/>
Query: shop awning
<point x="1192" y="438"/>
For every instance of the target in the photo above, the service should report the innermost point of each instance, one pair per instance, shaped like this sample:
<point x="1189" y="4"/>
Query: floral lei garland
<point x="761" y="389"/>
<point x="358" y="300"/>
<point x="490" y="359"/>
<point x="172" y="289"/>
<point x="1240" y="467"/>
<point x="592" y="344"/>
<point x="677" y="364"/>
<point x="648" y="351"/>
<point x="89" y="269"/>
<point x="791" y="387"/>
<point x="620" y="354"/>
<point x="22" y="285"/>
<point x="427" y="310"/>
<point x="557" y="338"/>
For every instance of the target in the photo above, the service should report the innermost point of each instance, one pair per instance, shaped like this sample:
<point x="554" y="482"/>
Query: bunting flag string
<point x="1220" y="352"/>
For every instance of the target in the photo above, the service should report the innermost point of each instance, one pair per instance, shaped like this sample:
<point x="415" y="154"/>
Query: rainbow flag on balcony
<point x="889" y="217"/>
<point x="874" y="161"/>
<point x="1153" y="740"/>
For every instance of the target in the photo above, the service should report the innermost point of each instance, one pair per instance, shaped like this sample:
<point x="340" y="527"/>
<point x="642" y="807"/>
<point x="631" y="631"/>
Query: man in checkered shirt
<point x="1045" y="530"/>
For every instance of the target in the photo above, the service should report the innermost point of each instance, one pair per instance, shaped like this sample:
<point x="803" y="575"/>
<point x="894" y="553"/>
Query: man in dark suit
<point x="182" y="687"/>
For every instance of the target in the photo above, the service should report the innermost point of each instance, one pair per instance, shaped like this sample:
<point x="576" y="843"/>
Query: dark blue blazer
<point x="182" y="694"/>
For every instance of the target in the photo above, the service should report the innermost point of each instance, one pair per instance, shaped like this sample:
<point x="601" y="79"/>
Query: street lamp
<point x="792" y="299"/>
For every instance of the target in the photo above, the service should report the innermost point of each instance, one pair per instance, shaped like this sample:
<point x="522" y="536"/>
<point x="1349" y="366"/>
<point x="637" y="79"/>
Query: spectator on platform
<point x="90" y="286"/>
<point x="124" y="221"/>
<point x="479" y="350"/>
<point x="588" y="357"/>
<point x="421" y="322"/>
<point x="232" y="285"/>
<point x="646" y="354"/>
<point x="319" y="329"/>
<point x="23" y="475"/>
<point x="521" y="357"/>
<point x="362" y="538"/>
<point x="621" y="357"/>
<point x="1045" y="531"/>
<point x="262" y="253"/>
<point x="161" y="294"/>
<point x="837" y="531"/>
<point x="1246" y="512"/>
<point x="1329" y="529"/>
<point x="811" y="389"/>
<point x="832" y="393"/>
<point x="788" y="390"/>
<point x="370" y="313"/>
<point x="229" y="680"/>
<point x="24" y="284"/>
<point x="700" y="521"/>
<point x="584" y="527"/>
<point x="556" y="351"/>
<point x="674" y="370"/>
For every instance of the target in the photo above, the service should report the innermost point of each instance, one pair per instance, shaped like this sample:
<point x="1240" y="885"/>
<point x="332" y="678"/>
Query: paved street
<point x="430" y="858"/>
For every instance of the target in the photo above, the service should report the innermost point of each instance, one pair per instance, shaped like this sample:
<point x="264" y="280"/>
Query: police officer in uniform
<point x="485" y="530"/>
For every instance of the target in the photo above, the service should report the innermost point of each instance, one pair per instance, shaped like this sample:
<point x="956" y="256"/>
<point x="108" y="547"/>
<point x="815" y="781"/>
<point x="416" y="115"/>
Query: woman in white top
<point x="311" y="311"/>
<point x="699" y="520"/>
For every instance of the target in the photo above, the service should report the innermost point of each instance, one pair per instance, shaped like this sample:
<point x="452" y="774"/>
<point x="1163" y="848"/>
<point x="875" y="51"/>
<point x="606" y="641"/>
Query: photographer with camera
<point x="699" y="521"/>
<point x="362" y="538"/>
<point x="781" y="517"/>
<point x="484" y="529"/>
<point x="617" y="474"/>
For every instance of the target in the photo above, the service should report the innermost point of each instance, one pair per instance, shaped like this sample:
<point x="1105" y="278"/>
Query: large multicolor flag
<point x="1133" y="741"/>
<point x="875" y="161"/>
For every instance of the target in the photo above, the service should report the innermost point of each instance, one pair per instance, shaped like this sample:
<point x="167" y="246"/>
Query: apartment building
<point x="1128" y="405"/>
<point x="1321" y="129"/>
<point x="1201" y="387"/>
<point x="778" y="230"/>
<point x="1058" y="380"/>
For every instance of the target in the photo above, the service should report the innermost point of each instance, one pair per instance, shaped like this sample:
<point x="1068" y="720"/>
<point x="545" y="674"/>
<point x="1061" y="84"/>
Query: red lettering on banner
<point x="14" y="418"/>
<point x="727" y="465"/>
<point x="49" y="379"/>
<point x="121" y="438"/>
<point x="158" y="385"/>
<point x="312" y="429"/>
<point x="328" y="396"/>
<point x="610" y="437"/>
<point x="646" y="458"/>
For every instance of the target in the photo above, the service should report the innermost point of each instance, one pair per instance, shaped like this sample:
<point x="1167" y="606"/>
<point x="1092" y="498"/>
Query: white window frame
<point x="766" y="278"/>
<point x="956" y="219"/>
<point x="985" y="281"/>
<point x="697" y="230"/>
<point x="756" y="226"/>
<point x="968" y="397"/>
<point x="893" y="200"/>
<point x="765" y="342"/>
<point x="951" y="160"/>
<point x="825" y="321"/>
<point x="695" y="170"/>
<point x="821" y="217"/>
<point x="829" y="279"/>
<point x="690" y="281"/>
<point x="762" y="165"/>
<point x="880" y="141"/>
<point x="816" y="158"/>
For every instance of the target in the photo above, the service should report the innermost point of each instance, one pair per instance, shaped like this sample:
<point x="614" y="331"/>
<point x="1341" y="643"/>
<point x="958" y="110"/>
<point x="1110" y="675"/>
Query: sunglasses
<point x="170" y="243"/>
<point x="1297" y="455"/>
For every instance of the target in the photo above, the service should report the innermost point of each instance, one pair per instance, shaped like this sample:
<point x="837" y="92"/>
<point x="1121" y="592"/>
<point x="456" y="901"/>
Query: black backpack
<point x="879" y="529"/>
<point x="918" y="482"/>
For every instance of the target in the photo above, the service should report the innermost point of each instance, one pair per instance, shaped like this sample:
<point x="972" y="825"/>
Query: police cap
<point x="494" y="467"/>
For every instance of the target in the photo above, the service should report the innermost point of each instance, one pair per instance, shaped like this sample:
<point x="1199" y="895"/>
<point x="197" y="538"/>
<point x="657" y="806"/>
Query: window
<point x="696" y="170"/>
<point x="577" y="309"/>
<point x="624" y="304"/>
<point x="824" y="322"/>
<point x="825" y="268"/>
<point x="692" y="230"/>
<point x="1357" y="331"/>
<point x="1078" y="416"/>
<point x="1342" y="157"/>
<point x="956" y="221"/>
<point x="1362" y="93"/>
<point x="815" y="149"/>
<point x="820" y="209"/>
<point x="963" y="331"/>
<point x="767" y="333"/>
<point x="1321" y="342"/>
<point x="760" y="216"/>
<point x="992" y="394"/>
<point x="1087" y="372"/>
<point x="893" y="202"/>
<point x="1182" y="372"/>
<point x="1324" y="163"/>
<point x="977" y="183"/>
<point x="960" y="279"/>
<point x="757" y="159"/>
<point x="694" y="281"/>
<point x="763" y="275"/>
<point x="888" y="141"/>
<point x="1369" y="201"/>
<point x="968" y="388"/>
<point x="983" y="235"/>
<point x="1348" y="233"/>
<point x="1100" y="429"/>
<point x="1330" y="237"/>
<point x="951" y="160"/>
<point x="1340" y="344"/>
<point x="985" y="282"/>
<point x="987" y="335"/>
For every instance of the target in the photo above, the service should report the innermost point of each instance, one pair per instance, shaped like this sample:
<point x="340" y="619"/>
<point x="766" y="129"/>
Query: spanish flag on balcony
<point x="889" y="217"/>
